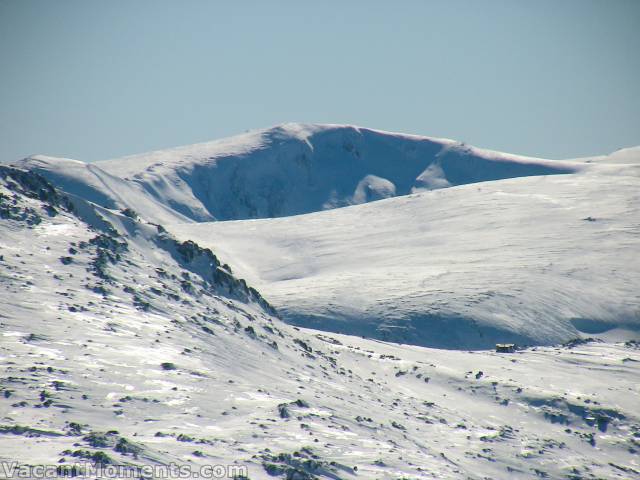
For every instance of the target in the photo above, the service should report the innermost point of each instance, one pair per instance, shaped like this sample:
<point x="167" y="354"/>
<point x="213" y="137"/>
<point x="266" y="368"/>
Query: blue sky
<point x="95" y="79"/>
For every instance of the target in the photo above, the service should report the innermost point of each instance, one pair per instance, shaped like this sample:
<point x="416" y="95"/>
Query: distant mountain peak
<point x="290" y="169"/>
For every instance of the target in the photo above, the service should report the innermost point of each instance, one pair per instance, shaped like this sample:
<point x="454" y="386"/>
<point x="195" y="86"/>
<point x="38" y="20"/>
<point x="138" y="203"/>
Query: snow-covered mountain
<point x="121" y="345"/>
<point x="442" y="244"/>
<point x="286" y="170"/>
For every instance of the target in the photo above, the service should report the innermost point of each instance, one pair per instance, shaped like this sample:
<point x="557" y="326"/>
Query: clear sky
<point x="100" y="79"/>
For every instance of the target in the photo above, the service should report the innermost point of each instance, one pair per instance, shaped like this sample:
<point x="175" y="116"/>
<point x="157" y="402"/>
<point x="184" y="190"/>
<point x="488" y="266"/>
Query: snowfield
<point x="442" y="244"/>
<point x="536" y="260"/>
<point x="131" y="333"/>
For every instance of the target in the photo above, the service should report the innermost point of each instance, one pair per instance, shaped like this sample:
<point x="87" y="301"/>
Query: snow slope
<point x="93" y="184"/>
<point x="624" y="155"/>
<point x="120" y="345"/>
<point x="287" y="170"/>
<point x="535" y="260"/>
<point x="456" y="247"/>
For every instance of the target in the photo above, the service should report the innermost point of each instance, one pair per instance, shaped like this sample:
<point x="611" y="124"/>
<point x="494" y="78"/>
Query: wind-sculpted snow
<point x="120" y="346"/>
<point x="535" y="260"/>
<point x="91" y="183"/>
<point x="456" y="247"/>
<point x="286" y="170"/>
<point x="294" y="169"/>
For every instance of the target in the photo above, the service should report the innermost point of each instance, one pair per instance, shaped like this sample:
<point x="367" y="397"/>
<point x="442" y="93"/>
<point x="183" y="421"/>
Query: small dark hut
<point x="505" y="347"/>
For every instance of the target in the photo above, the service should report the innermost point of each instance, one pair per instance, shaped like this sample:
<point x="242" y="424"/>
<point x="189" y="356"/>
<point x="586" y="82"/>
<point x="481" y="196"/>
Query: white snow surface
<point x="439" y="243"/>
<point x="93" y="184"/>
<point x="182" y="364"/>
<point x="285" y="170"/>
<point x="535" y="260"/>
<point x="77" y="362"/>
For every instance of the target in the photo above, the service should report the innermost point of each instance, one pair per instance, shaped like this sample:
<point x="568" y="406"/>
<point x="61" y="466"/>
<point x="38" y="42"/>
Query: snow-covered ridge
<point x="91" y="183"/>
<point x="629" y="155"/>
<point x="120" y="346"/>
<point x="286" y="170"/>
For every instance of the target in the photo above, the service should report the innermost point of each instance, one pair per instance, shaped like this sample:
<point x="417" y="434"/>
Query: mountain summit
<point x="286" y="170"/>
